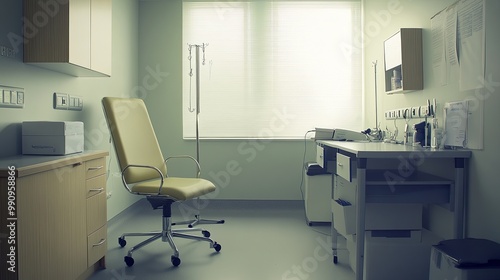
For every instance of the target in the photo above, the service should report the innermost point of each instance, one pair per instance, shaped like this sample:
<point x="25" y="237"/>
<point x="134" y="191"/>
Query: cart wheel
<point x="122" y="242"/>
<point x="175" y="261"/>
<point x="217" y="247"/>
<point x="129" y="261"/>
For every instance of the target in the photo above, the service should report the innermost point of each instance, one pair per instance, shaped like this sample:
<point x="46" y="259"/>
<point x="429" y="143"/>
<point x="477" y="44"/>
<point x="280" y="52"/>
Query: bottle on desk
<point x="436" y="134"/>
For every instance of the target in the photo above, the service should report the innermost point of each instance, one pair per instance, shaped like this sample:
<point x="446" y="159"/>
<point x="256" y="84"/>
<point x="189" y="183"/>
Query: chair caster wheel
<point x="206" y="233"/>
<point x="217" y="247"/>
<point x="122" y="241"/>
<point x="175" y="261"/>
<point x="129" y="261"/>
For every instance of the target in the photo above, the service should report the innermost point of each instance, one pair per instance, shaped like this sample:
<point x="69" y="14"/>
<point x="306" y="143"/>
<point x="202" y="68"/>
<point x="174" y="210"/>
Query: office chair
<point x="144" y="172"/>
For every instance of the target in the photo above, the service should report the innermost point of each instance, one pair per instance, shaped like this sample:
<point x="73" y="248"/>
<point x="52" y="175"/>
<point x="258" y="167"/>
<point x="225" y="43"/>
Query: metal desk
<point x="364" y="154"/>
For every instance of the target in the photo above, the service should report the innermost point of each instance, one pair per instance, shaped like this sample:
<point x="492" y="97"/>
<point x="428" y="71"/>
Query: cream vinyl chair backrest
<point x="137" y="144"/>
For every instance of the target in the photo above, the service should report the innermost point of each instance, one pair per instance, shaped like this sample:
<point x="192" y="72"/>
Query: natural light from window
<point x="273" y="69"/>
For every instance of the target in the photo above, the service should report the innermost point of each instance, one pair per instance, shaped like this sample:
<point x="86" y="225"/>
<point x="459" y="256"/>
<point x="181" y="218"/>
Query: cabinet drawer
<point x="96" y="185"/>
<point x="344" y="166"/>
<point x="325" y="157"/>
<point x="344" y="218"/>
<point x="96" y="212"/>
<point x="95" y="167"/>
<point x="320" y="156"/>
<point x="97" y="246"/>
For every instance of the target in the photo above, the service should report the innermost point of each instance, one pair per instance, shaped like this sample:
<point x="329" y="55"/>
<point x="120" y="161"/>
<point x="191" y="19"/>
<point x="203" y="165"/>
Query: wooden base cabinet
<point x="58" y="208"/>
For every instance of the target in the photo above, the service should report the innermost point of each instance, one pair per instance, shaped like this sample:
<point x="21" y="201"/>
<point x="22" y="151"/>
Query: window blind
<point x="271" y="69"/>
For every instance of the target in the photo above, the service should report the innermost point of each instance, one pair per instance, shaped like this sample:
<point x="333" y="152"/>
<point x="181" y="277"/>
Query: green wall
<point x="40" y="84"/>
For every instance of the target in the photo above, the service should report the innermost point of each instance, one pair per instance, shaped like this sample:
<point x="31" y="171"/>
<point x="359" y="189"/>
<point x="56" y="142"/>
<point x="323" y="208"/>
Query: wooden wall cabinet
<point x="71" y="37"/>
<point x="403" y="61"/>
<point x="60" y="206"/>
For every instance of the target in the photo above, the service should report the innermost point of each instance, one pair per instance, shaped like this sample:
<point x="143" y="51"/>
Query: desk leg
<point x="360" y="218"/>
<point x="334" y="232"/>
<point x="459" y="203"/>
<point x="334" y="244"/>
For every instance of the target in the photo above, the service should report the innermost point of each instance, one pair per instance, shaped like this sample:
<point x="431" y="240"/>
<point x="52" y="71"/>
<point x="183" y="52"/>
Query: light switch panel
<point x="11" y="97"/>
<point x="75" y="103"/>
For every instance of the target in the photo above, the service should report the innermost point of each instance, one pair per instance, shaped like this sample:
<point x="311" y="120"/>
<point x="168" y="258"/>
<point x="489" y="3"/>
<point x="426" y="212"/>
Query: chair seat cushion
<point x="175" y="187"/>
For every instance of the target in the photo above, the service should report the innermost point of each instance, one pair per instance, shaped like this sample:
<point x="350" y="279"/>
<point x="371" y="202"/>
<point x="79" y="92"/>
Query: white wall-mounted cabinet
<point x="403" y="58"/>
<point x="72" y="37"/>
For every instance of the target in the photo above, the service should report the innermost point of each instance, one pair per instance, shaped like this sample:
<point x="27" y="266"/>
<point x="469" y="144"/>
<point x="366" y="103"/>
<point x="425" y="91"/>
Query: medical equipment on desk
<point x="338" y="134"/>
<point x="391" y="137"/>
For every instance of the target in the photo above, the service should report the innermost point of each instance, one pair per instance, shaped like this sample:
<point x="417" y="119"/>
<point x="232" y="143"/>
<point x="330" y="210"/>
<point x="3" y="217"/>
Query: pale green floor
<point x="261" y="240"/>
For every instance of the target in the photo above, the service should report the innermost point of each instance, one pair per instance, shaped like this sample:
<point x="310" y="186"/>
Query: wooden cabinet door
<point x="52" y="235"/>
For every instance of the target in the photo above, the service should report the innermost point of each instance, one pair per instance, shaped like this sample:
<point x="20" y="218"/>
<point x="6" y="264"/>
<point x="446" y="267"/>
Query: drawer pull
<point x="97" y="190"/>
<point x="100" y="243"/>
<point x="95" y="168"/>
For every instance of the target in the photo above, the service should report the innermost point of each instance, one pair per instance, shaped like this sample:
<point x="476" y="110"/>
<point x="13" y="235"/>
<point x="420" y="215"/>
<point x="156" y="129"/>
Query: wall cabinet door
<point x="403" y="59"/>
<point x="72" y="37"/>
<point x="101" y="35"/>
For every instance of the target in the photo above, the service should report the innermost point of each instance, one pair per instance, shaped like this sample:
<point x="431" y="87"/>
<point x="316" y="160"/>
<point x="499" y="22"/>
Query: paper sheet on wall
<point x="464" y="124"/>
<point x="471" y="43"/>
<point x="450" y="33"/>
<point x="444" y="42"/>
<point x="439" y="48"/>
<point x="456" y="114"/>
<point x="458" y="41"/>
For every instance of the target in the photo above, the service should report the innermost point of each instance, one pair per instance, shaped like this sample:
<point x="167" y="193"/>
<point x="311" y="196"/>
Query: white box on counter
<point x="52" y="137"/>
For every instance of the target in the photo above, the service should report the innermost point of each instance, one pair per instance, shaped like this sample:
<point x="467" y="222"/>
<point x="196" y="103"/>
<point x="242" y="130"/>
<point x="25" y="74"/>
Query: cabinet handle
<point x="340" y="164"/>
<point x="95" y="168"/>
<point x="97" y="190"/>
<point x="100" y="243"/>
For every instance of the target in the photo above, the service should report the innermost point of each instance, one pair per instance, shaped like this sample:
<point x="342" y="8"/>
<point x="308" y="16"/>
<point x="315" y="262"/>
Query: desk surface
<point x="384" y="150"/>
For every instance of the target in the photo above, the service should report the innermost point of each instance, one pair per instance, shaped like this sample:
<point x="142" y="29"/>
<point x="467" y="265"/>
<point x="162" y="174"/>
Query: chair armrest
<point x="161" y="177"/>
<point x="198" y="168"/>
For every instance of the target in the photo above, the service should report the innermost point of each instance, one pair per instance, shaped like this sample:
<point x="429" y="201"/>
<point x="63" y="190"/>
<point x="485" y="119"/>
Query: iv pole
<point x="197" y="219"/>
<point x="376" y="134"/>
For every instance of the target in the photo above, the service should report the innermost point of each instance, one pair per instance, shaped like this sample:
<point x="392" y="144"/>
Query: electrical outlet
<point x="7" y="52"/>
<point x="424" y="111"/>
<point x="61" y="101"/>
<point x="415" y="112"/>
<point x="400" y="113"/>
<point x="20" y="97"/>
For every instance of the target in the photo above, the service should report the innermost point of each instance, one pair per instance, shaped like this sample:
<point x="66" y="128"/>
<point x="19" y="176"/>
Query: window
<point x="272" y="69"/>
